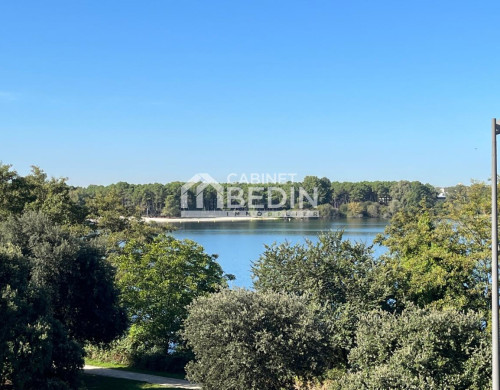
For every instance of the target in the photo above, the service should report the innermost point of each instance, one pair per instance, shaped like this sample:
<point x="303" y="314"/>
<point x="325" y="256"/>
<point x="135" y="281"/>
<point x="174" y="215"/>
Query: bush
<point x="419" y="349"/>
<point x="373" y="209"/>
<point x="328" y="211"/>
<point x="341" y="275"/>
<point x="253" y="341"/>
<point x="356" y="210"/>
<point x="56" y="292"/>
<point x="117" y="352"/>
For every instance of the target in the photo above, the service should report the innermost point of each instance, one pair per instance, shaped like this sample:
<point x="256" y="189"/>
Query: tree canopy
<point x="252" y="340"/>
<point x="158" y="281"/>
<point x="57" y="293"/>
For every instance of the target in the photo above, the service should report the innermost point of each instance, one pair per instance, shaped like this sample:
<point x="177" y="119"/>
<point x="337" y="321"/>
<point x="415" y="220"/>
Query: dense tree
<point x="172" y="206"/>
<point x="36" y="192"/>
<point x="340" y="275"/>
<point x="59" y="290"/>
<point x="361" y="192"/>
<point x="108" y="211"/>
<point x="442" y="258"/>
<point x="35" y="349"/>
<point x="327" y="211"/>
<point x="74" y="274"/>
<point x="386" y="197"/>
<point x="115" y="223"/>
<point x="340" y="193"/>
<point x="419" y="349"/>
<point x="355" y="209"/>
<point x="411" y="195"/>
<point x="158" y="280"/>
<point x="12" y="191"/>
<point x="382" y="189"/>
<point x="332" y="270"/>
<point x="253" y="340"/>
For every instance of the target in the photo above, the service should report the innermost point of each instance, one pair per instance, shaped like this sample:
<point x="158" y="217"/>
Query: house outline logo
<point x="206" y="181"/>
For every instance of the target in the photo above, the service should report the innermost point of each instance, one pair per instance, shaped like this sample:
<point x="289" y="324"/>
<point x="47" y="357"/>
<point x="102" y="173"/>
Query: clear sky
<point x="156" y="91"/>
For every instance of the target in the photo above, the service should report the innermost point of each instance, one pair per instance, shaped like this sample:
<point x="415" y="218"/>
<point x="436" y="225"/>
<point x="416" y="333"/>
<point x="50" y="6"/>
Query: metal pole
<point x="494" y="261"/>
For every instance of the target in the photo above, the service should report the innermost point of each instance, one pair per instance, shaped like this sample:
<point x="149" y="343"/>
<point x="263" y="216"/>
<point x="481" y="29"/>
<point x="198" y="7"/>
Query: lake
<point x="240" y="243"/>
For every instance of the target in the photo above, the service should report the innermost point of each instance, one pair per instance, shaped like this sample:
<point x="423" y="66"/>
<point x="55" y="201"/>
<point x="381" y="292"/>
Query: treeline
<point x="329" y="315"/>
<point x="70" y="271"/>
<point x="79" y="275"/>
<point x="335" y="199"/>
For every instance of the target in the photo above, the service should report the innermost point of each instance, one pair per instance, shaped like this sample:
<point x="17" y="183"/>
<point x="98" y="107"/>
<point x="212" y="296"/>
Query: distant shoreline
<point x="208" y="219"/>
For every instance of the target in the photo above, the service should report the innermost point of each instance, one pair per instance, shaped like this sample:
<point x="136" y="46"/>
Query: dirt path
<point x="159" y="380"/>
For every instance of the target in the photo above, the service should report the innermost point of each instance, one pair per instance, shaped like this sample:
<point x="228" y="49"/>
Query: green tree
<point x="361" y="192"/>
<point x="327" y="211"/>
<point x="434" y="260"/>
<point x="340" y="275"/>
<point x="324" y="191"/>
<point x="57" y="292"/>
<point x="340" y="193"/>
<point x="421" y="349"/>
<point x="373" y="210"/>
<point x="115" y="223"/>
<point x="412" y="195"/>
<point x="36" y="192"/>
<point x="355" y="209"/>
<point x="253" y="340"/>
<point x="312" y="185"/>
<point x="383" y="189"/>
<point x="11" y="191"/>
<point x="158" y="280"/>
<point x="35" y="349"/>
<point x="172" y="206"/>
<point x="107" y="210"/>
<point x="77" y="279"/>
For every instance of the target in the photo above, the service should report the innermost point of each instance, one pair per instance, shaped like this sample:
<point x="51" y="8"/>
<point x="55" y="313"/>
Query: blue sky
<point x="156" y="91"/>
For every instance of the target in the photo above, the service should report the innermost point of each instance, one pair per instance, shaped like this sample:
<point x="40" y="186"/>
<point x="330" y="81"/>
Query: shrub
<point x="422" y="349"/>
<point x="328" y="211"/>
<point x="250" y="340"/>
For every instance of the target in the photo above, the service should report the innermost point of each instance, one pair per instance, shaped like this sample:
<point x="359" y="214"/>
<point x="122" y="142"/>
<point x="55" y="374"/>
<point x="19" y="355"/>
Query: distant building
<point x="442" y="194"/>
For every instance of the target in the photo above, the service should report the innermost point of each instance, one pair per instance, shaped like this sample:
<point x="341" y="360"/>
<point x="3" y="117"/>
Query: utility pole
<point x="494" y="259"/>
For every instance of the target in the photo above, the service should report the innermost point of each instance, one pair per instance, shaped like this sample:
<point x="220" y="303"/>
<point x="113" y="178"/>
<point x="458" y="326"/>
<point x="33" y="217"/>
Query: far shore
<point x="208" y="219"/>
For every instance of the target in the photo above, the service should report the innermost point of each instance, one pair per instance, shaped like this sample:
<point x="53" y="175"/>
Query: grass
<point x="124" y="367"/>
<point x="96" y="382"/>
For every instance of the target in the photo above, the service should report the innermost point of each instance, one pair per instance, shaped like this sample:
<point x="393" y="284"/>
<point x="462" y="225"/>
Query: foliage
<point x="322" y="186"/>
<point x="57" y="292"/>
<point x="413" y="318"/>
<point x="116" y="223"/>
<point x="340" y="275"/>
<point x="172" y="206"/>
<point x="332" y="271"/>
<point x="77" y="281"/>
<point x="120" y="356"/>
<point x="411" y="195"/>
<point x="35" y="350"/>
<point x="37" y="193"/>
<point x="254" y="340"/>
<point x="441" y="259"/>
<point x="422" y="349"/>
<point x="164" y="200"/>
<point x="327" y="211"/>
<point x="158" y="280"/>
<point x="355" y="209"/>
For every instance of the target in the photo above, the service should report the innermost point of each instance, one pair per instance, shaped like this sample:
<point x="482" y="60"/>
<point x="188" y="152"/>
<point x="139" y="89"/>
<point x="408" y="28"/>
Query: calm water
<point x="238" y="244"/>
